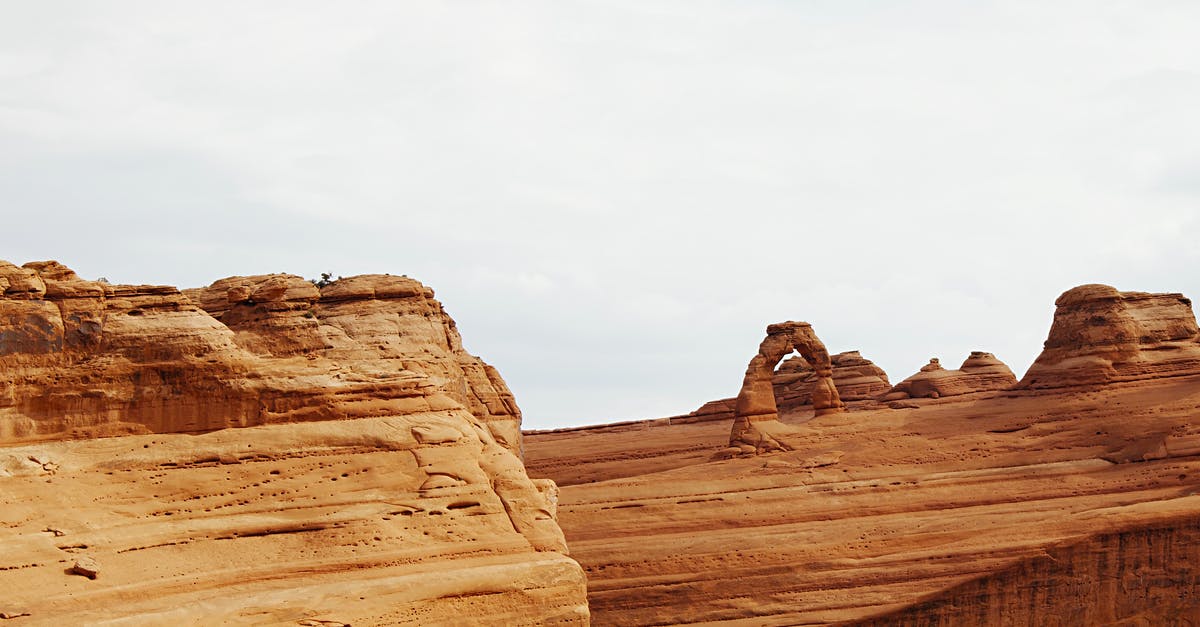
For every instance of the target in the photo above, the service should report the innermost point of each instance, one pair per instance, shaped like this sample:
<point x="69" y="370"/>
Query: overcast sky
<point x="613" y="199"/>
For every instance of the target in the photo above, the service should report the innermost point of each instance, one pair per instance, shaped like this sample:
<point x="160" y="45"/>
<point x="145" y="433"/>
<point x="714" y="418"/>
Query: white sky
<point x="613" y="199"/>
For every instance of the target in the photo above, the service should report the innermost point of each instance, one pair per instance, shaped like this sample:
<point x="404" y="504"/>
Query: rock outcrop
<point x="1064" y="505"/>
<point x="977" y="509"/>
<point x="980" y="372"/>
<point x="856" y="379"/>
<point x="373" y="476"/>
<point x="1100" y="335"/>
<point x="1146" y="575"/>
<point x="756" y="426"/>
<point x="81" y="358"/>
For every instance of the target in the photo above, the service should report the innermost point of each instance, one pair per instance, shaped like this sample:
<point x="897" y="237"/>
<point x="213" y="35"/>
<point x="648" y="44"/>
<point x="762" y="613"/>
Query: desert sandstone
<point x="264" y="451"/>
<point x="1067" y="499"/>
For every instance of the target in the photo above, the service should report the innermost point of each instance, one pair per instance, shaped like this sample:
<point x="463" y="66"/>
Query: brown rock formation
<point x="1146" y="574"/>
<point x="980" y="372"/>
<point x="374" y="481"/>
<point x="79" y="358"/>
<point x="955" y="506"/>
<point x="390" y="325"/>
<point x="1100" y="335"/>
<point x="855" y="378"/>
<point x="756" y="425"/>
<point x="1061" y="506"/>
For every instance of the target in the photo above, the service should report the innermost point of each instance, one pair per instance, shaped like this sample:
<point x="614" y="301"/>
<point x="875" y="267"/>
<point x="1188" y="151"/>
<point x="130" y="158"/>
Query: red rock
<point x="1074" y="504"/>
<point x="855" y="378"/>
<point x="1101" y="335"/>
<point x="138" y="359"/>
<point x="756" y="425"/>
<point x="373" y="476"/>
<point x="980" y="372"/>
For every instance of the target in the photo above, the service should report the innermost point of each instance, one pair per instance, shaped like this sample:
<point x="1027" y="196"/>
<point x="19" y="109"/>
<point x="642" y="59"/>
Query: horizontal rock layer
<point x="856" y="379"/>
<point x="980" y="372"/>
<point x="373" y="477"/>
<point x="420" y="519"/>
<point x="875" y="510"/>
<point x="1142" y="575"/>
<point x="81" y="358"/>
<point x="1101" y="335"/>
<point x="1070" y="502"/>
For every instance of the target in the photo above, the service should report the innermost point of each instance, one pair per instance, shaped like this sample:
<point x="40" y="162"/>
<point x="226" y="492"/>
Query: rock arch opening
<point x="756" y="403"/>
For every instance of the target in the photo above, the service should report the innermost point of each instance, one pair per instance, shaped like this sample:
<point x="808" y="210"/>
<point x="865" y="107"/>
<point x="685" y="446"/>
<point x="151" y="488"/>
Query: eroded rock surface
<point x="81" y="358"/>
<point x="756" y="427"/>
<point x="855" y="377"/>
<point x="877" y="510"/>
<point x="1069" y="505"/>
<point x="1101" y="335"/>
<point x="980" y="372"/>
<point x="373" y="478"/>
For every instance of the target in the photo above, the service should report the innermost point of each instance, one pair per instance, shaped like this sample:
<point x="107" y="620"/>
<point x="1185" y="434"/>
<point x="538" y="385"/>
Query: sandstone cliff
<point x="373" y="477"/>
<point x="80" y="358"/>
<point x="1101" y="335"/>
<point x="980" y="372"/>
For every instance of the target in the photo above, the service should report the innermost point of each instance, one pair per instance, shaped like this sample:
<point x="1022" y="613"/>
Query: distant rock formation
<point x="1063" y="506"/>
<point x="855" y="378"/>
<point x="756" y="415"/>
<point x="1101" y="335"/>
<point x="980" y="372"/>
<point x="81" y="358"/>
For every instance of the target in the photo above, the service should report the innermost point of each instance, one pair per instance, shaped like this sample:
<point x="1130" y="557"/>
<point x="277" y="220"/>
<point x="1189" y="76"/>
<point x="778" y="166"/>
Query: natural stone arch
<point x="756" y="401"/>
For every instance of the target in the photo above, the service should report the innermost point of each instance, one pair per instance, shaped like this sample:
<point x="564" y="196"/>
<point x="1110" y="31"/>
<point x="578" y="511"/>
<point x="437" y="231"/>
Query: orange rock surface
<point x="1101" y="335"/>
<point x="1066" y="505"/>
<point x="981" y="372"/>
<point x="756" y="427"/>
<point x="855" y="377"/>
<point x="373" y="476"/>
<point x="79" y="358"/>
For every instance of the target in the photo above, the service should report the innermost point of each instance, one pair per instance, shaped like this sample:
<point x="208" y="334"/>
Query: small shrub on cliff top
<point x="326" y="279"/>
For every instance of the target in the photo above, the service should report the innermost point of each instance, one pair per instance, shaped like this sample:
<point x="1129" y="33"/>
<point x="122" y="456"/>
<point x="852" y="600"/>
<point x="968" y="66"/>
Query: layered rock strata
<point x="877" y="510"/>
<point x="1147" y="574"/>
<point x="756" y="426"/>
<point x="414" y="519"/>
<point x="980" y="372"/>
<point x="373" y="478"/>
<point x="855" y="377"/>
<point x="1100" y="335"/>
<point x="81" y="358"/>
<point x="1068" y="505"/>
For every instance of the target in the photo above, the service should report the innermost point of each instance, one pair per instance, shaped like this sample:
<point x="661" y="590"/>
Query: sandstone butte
<point x="954" y="498"/>
<point x="261" y="451"/>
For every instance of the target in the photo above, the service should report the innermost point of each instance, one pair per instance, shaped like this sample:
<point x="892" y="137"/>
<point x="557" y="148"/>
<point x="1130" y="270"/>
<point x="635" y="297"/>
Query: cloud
<point x="613" y="199"/>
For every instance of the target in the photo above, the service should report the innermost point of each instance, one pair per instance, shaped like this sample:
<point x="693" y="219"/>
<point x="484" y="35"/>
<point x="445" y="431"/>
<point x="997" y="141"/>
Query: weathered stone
<point x="87" y="567"/>
<point x="756" y="415"/>
<point x="980" y="372"/>
<point x="274" y="452"/>
<point x="1100" y="335"/>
